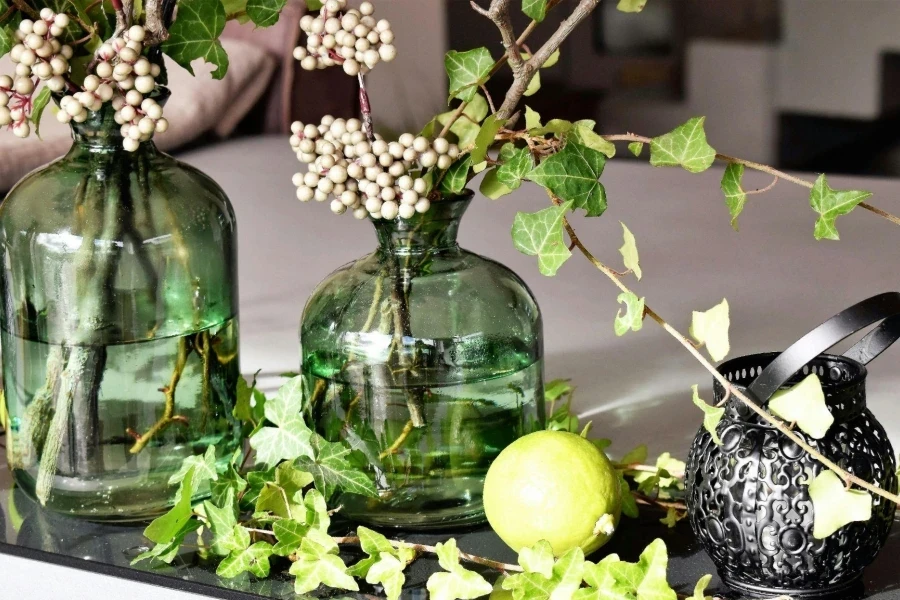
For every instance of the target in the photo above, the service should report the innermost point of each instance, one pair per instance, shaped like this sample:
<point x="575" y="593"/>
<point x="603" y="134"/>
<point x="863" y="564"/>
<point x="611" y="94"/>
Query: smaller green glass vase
<point x="427" y="359"/>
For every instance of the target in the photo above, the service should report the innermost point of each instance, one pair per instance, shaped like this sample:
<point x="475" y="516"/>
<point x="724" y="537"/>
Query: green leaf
<point x="602" y="584"/>
<point x="166" y="527"/>
<point x="835" y="506"/>
<point x="583" y="133"/>
<point x="230" y="480"/>
<point x="538" y="559"/>
<point x="552" y="60"/>
<point x="492" y="187"/>
<point x="700" y="588"/>
<point x="458" y="583"/>
<point x="314" y="5"/>
<point x="167" y="551"/>
<point x="204" y="468"/>
<point x="291" y="438"/>
<point x="256" y="480"/>
<point x="274" y="499"/>
<point x="635" y="457"/>
<point x="254" y="559"/>
<point x="735" y="196"/>
<point x="319" y="564"/>
<point x="536" y="9"/>
<point x="264" y="13"/>
<point x="195" y="34"/>
<point x="711" y="415"/>
<point x="467" y="71"/>
<point x="562" y="585"/>
<point x="804" y="404"/>
<point x="332" y="470"/>
<point x="629" y="504"/>
<point x="534" y="86"/>
<point x="373" y="544"/>
<point x="517" y="163"/>
<point x="556" y="127"/>
<point x="633" y="319"/>
<point x="711" y="328"/>
<point x="556" y="389"/>
<point x="685" y="146"/>
<point x="532" y="119"/>
<point x="237" y="10"/>
<point x="485" y="138"/>
<point x="631" y="6"/>
<point x="387" y="570"/>
<point x="672" y="517"/>
<point x="541" y="234"/>
<point x="290" y="535"/>
<point x="629" y="252"/>
<point x="573" y="175"/>
<point x="465" y="128"/>
<point x="648" y="576"/>
<point x="830" y="204"/>
<point x="228" y="536"/>
<point x="456" y="177"/>
<point x="250" y="404"/>
<point x="37" y="107"/>
<point x="7" y="40"/>
<point x="636" y="148"/>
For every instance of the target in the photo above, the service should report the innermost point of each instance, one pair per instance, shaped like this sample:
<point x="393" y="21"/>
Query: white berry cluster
<point x="366" y="178"/>
<point x="38" y="56"/>
<point x="351" y="38"/>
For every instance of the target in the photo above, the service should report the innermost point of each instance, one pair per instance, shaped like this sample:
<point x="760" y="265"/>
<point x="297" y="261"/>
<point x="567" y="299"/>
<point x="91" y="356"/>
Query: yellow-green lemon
<point x="554" y="486"/>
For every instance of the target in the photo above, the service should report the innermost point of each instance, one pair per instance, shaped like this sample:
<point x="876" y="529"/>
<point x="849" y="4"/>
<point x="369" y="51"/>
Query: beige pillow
<point x="198" y="105"/>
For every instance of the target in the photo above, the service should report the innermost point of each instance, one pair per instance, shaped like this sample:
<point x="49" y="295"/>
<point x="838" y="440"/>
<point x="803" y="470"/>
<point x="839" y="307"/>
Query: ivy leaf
<point x="583" y="133"/>
<point x="485" y="138"/>
<point x="573" y="175"/>
<point x="230" y="480"/>
<point x="629" y="252"/>
<point x="254" y="559"/>
<point x="629" y="504"/>
<point x="602" y="584"/>
<point x="166" y="527"/>
<point x="538" y="559"/>
<point x="711" y="328"/>
<point x="735" y="196"/>
<point x="373" y="544"/>
<point x="264" y="13"/>
<point x="636" y="148"/>
<point x="830" y="204"/>
<point x="204" y="468"/>
<point x="835" y="506"/>
<point x="700" y="589"/>
<point x="195" y="34"/>
<point x="633" y="319"/>
<point x="685" y="146"/>
<point x="541" y="234"/>
<point x="7" y="37"/>
<point x="552" y="60"/>
<point x="636" y="456"/>
<point x="562" y="585"/>
<point x="458" y="583"/>
<point x="517" y="163"/>
<point x="711" y="415"/>
<point x="314" y="5"/>
<point x="237" y="10"/>
<point x="256" y="480"/>
<point x="290" y="535"/>
<point x="556" y="389"/>
<point x="492" y="187"/>
<point x="228" y="536"/>
<point x="467" y="70"/>
<point x="672" y="517"/>
<point x="331" y="470"/>
<point x="557" y="127"/>
<point x="387" y="570"/>
<point x="37" y="107"/>
<point x="536" y="9"/>
<point x="291" y="438"/>
<point x="319" y="564"/>
<point x="250" y="404"/>
<point x="804" y="404"/>
<point x="631" y="6"/>
<point x="647" y="577"/>
<point x="456" y="177"/>
<point x="532" y="119"/>
<point x="534" y="86"/>
<point x="465" y="128"/>
<point x="167" y="551"/>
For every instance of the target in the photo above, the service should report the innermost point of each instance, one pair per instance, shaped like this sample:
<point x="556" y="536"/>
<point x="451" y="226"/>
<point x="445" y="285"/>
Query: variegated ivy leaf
<point x="834" y="506"/>
<point x="636" y="148"/>
<point x="685" y="146"/>
<point x="633" y="317"/>
<point x="373" y="544"/>
<point x="602" y="585"/>
<point x="230" y="480"/>
<point x="458" y="583"/>
<point x="250" y="404"/>
<point x="583" y="133"/>
<point x="332" y="470"/>
<point x="647" y="577"/>
<point x="264" y="13"/>
<point x="516" y="164"/>
<point x="166" y="527"/>
<point x="538" y="559"/>
<point x="290" y="535"/>
<point x="631" y="6"/>
<point x="318" y="563"/>
<point x="290" y="438"/>
<point x="670" y="472"/>
<point x="536" y="9"/>
<point x="195" y="34"/>
<point x="467" y="70"/>
<point x="564" y="581"/>
<point x="573" y="174"/>
<point x="456" y="177"/>
<point x="7" y="37"/>
<point x="167" y="551"/>
<point x="492" y="187"/>
<point x="804" y="404"/>
<point x="629" y="252"/>
<point x="228" y="536"/>
<point x="387" y="570"/>
<point x="711" y="415"/>
<point x="541" y="234"/>
<point x="465" y="128"/>
<point x="830" y="204"/>
<point x="700" y="589"/>
<point x="557" y="127"/>
<point x="204" y="467"/>
<point x="735" y="196"/>
<point x="532" y="119"/>
<point x="254" y="559"/>
<point x="711" y="328"/>
<point x="672" y="517"/>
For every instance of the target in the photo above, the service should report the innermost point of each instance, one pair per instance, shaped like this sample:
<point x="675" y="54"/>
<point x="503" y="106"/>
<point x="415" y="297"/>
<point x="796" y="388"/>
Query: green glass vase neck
<point x="435" y="230"/>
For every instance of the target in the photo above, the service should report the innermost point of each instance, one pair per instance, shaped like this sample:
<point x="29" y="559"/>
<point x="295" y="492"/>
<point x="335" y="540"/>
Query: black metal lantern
<point x="748" y="498"/>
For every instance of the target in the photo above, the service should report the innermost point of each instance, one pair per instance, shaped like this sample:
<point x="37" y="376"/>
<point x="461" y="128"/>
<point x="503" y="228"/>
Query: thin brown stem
<point x="25" y="8"/>
<point x="664" y="504"/>
<point x="490" y="99"/>
<point x="168" y="417"/>
<point x="365" y="109"/>
<point x="763" y="190"/>
<point x="7" y="14"/>
<point x="423" y="548"/>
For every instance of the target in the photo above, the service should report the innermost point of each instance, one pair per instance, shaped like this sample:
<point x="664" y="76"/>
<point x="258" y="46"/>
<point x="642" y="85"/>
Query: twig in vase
<point x="168" y="417"/>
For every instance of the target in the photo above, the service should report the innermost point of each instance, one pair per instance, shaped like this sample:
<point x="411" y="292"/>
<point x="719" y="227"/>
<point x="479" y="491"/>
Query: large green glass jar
<point x="427" y="359"/>
<point x="119" y="325"/>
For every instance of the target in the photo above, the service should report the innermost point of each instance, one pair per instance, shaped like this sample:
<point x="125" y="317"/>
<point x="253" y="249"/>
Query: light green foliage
<point x="667" y="481"/>
<point x="647" y="577"/>
<point x="456" y="177"/>
<point x="195" y="34"/>
<point x="633" y="317"/>
<point x="7" y="36"/>
<point x="465" y="128"/>
<point x="711" y="415"/>
<point x="318" y="563"/>
<point x="532" y="119"/>
<point x="492" y="187"/>
<point x="290" y="438"/>
<point x="560" y="418"/>
<point x="458" y="583"/>
<point x="602" y="585"/>
<point x="264" y="13"/>
<point x="237" y="10"/>
<point x="631" y="6"/>
<point x="636" y="148"/>
<point x="711" y="328"/>
<point x="388" y="571"/>
<point x="331" y="470"/>
<point x="735" y="196"/>
<point x="700" y="588"/>
<point x="582" y="132"/>
<point x="564" y="581"/>
<point x="374" y="544"/>
<point x="254" y="559"/>
<point x="228" y="536"/>
<point x="167" y="551"/>
<point x="204" y="468"/>
<point x="164" y="528"/>
<point x="573" y="175"/>
<point x="38" y="105"/>
<point x="831" y="204"/>
<point x="685" y="147"/>
<point x="629" y="252"/>
<point x="536" y="9"/>
<point x="250" y="404"/>
<point x="289" y="534"/>
<point x="804" y="404"/>
<point x="541" y="234"/>
<point x="672" y="517"/>
<point x="485" y="138"/>
<point x="534" y="86"/>
<point x="466" y="71"/>
<point x="556" y="127"/>
<point x="636" y="456"/>
<point x="516" y="164"/>
<point x="629" y="504"/>
<point x="538" y="559"/>
<point x="835" y="506"/>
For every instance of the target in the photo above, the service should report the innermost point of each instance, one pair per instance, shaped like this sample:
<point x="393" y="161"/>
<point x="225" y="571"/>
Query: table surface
<point x="778" y="280"/>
